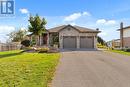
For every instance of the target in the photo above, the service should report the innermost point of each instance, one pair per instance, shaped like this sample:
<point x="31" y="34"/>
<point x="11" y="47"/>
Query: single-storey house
<point x="68" y="36"/>
<point x="124" y="36"/>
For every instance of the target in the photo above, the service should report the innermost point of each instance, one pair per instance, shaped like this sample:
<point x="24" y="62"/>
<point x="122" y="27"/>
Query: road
<point x="92" y="69"/>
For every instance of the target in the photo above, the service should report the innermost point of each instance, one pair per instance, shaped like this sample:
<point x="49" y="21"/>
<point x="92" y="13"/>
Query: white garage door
<point x="69" y="42"/>
<point x="86" y="42"/>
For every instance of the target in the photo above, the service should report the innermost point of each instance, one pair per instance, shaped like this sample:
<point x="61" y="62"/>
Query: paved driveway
<point x="92" y="69"/>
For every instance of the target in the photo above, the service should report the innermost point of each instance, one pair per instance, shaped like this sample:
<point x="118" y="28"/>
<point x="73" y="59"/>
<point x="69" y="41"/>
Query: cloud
<point x="75" y="16"/>
<point x="106" y="22"/>
<point x="101" y="21"/>
<point x="111" y="22"/>
<point x="103" y="34"/>
<point x="72" y="17"/>
<point x="24" y="11"/>
<point x="73" y="23"/>
<point x="4" y="30"/>
<point x="86" y="13"/>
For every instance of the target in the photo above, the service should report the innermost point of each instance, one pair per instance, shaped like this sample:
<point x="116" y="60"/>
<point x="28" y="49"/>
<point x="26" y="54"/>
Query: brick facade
<point x="127" y="42"/>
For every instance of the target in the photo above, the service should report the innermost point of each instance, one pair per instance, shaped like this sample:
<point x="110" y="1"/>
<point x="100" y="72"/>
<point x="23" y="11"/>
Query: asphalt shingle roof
<point x="80" y="29"/>
<point x="128" y="27"/>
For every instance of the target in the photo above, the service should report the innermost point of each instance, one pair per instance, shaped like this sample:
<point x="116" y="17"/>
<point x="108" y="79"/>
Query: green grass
<point x="27" y="69"/>
<point x="120" y="52"/>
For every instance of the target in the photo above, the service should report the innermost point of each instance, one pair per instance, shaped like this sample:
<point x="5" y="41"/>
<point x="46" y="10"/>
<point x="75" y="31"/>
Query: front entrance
<point x="45" y="39"/>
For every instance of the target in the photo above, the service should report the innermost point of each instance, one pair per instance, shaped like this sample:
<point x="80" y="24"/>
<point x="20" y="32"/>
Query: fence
<point x="8" y="47"/>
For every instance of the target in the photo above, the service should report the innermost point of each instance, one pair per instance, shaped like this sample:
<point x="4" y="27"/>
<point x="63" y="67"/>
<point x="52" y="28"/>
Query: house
<point x="124" y="36"/>
<point x="114" y="43"/>
<point x="68" y="36"/>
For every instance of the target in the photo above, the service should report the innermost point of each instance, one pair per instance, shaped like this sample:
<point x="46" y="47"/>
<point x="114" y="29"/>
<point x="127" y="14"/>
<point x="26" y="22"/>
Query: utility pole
<point x="121" y="35"/>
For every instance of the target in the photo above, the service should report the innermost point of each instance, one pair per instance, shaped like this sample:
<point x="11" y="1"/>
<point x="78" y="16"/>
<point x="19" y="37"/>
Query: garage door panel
<point x="69" y="42"/>
<point x="86" y="42"/>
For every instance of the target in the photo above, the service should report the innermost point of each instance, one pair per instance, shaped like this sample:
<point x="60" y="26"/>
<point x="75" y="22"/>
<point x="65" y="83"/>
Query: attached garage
<point x="75" y="37"/>
<point x="69" y="42"/>
<point x="86" y="42"/>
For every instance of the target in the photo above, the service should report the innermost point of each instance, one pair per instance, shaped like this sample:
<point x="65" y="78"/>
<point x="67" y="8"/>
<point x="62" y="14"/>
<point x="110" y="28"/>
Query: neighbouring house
<point x="114" y="43"/>
<point x="124" y="36"/>
<point x="68" y="36"/>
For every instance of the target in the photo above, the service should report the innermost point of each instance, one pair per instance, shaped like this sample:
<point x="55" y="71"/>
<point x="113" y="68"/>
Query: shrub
<point x="43" y="50"/>
<point x="33" y="42"/>
<point x="53" y="50"/>
<point x="26" y="43"/>
<point x="127" y="50"/>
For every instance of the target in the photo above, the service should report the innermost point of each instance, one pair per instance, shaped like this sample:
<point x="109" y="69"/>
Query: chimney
<point x="121" y="35"/>
<point x="97" y="29"/>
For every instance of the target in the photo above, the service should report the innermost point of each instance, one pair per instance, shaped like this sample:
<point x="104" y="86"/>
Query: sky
<point x="103" y="14"/>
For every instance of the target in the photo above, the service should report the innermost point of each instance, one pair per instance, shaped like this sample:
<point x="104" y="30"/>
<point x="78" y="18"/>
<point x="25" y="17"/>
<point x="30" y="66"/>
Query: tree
<point x="37" y="27"/>
<point x="100" y="40"/>
<point x="17" y="36"/>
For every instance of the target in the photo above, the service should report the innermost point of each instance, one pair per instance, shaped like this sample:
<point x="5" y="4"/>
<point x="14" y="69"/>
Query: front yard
<point x="120" y="52"/>
<point x="27" y="69"/>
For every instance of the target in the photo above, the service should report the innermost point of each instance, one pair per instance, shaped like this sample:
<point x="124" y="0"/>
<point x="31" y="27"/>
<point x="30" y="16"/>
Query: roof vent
<point x="68" y="29"/>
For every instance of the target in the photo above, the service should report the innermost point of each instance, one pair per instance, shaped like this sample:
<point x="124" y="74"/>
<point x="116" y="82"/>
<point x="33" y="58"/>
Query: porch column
<point x="30" y="38"/>
<point x="95" y="41"/>
<point x="40" y="40"/>
<point x="78" y="42"/>
<point x="48" y="39"/>
<point x="61" y="42"/>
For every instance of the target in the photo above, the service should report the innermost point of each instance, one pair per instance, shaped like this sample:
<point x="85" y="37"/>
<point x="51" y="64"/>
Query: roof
<point x="56" y="29"/>
<point x="114" y="40"/>
<point x="128" y="27"/>
<point x="80" y="29"/>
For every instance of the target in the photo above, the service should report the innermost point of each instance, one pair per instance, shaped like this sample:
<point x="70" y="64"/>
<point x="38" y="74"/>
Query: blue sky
<point x="103" y="14"/>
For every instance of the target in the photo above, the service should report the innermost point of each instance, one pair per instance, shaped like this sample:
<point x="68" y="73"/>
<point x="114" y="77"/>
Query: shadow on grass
<point x="11" y="54"/>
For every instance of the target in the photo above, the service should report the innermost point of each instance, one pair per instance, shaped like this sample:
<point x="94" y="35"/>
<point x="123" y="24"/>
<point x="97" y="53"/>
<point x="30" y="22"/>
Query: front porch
<point x="46" y="39"/>
<point x="42" y="40"/>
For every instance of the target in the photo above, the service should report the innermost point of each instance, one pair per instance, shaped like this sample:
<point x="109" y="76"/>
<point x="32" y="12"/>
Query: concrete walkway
<point x="92" y="69"/>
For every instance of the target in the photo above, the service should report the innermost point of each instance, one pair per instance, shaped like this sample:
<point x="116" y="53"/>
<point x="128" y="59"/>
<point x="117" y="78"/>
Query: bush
<point x="101" y="46"/>
<point x="33" y="42"/>
<point x="53" y="50"/>
<point x="127" y="50"/>
<point x="43" y="50"/>
<point x="26" y="43"/>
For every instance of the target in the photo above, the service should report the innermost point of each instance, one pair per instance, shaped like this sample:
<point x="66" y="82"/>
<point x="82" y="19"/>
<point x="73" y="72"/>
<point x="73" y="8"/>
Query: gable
<point x="77" y="28"/>
<point x="69" y="31"/>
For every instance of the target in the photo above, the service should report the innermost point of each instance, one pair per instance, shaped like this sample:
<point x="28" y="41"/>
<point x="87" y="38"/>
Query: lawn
<point x="120" y="52"/>
<point x="27" y="69"/>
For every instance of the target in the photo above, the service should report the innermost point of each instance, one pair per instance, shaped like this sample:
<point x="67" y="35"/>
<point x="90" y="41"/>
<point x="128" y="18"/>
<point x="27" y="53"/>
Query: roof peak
<point x="80" y="29"/>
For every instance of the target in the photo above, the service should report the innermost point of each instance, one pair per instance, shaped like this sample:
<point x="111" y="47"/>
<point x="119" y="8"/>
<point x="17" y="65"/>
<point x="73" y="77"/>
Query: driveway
<point x="92" y="69"/>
